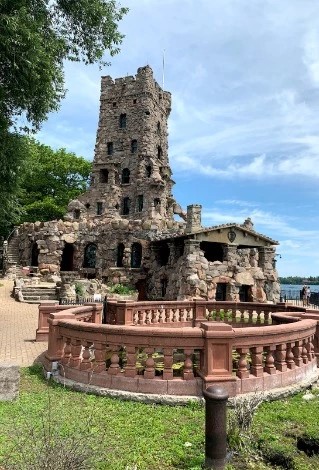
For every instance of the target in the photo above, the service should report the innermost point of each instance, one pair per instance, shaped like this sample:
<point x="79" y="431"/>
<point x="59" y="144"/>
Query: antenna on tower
<point x="163" y="75"/>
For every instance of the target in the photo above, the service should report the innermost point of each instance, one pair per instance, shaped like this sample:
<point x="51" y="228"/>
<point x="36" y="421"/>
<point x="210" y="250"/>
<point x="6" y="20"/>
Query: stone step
<point x="38" y="298"/>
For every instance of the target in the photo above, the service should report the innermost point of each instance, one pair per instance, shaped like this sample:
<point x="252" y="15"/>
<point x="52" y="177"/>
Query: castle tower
<point x="131" y="177"/>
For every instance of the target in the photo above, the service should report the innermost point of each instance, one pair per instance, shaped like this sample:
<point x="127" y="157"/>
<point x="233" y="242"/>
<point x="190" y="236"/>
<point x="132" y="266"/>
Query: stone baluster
<point x="148" y="316"/>
<point x="161" y="315"/>
<point x="188" y="314"/>
<point x="266" y="317"/>
<point x="258" y="317"/>
<point x="149" y="372"/>
<point x="242" y="370"/>
<point x="114" y="368"/>
<point x="280" y="357"/>
<point x="188" y="373"/>
<point x="130" y="368"/>
<point x="76" y="348"/>
<point x="233" y="314"/>
<point x="86" y="356"/>
<point x="217" y="316"/>
<point x="297" y="353"/>
<point x="175" y="317"/>
<point x="304" y="352"/>
<point x="99" y="357"/>
<point x="257" y="368"/>
<point x="168" y="364"/>
<point x="167" y="314"/>
<point x="154" y="316"/>
<point x="290" y="356"/>
<point x="269" y="362"/>
<point x="181" y="313"/>
<point x="140" y="317"/>
<point x="135" y="317"/>
<point x="67" y="352"/>
<point x="242" y="315"/>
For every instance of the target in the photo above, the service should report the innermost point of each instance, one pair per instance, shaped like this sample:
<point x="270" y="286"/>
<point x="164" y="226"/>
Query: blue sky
<point x="244" y="127"/>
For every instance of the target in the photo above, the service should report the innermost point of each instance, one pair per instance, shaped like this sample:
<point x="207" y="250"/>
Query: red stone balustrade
<point x="180" y="361"/>
<point x="188" y="313"/>
<point x="89" y="313"/>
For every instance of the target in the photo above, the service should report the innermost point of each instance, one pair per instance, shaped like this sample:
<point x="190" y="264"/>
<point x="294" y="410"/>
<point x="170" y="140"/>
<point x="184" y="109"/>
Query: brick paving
<point x="18" y="324"/>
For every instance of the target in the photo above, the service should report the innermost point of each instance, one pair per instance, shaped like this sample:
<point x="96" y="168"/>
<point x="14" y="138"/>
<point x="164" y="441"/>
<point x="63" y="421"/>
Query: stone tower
<point x="131" y="177"/>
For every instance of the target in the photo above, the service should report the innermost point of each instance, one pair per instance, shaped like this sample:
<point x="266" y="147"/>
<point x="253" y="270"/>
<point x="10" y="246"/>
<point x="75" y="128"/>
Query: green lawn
<point x="126" y="435"/>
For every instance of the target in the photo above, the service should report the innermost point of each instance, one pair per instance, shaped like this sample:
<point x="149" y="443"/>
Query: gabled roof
<point x="217" y="228"/>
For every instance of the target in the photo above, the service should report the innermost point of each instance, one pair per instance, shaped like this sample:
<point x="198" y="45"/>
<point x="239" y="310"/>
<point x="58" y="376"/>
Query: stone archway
<point x="67" y="261"/>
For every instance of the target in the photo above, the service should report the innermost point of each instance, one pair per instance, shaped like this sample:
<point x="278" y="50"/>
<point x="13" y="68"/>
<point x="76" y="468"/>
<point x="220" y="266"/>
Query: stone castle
<point x="123" y="229"/>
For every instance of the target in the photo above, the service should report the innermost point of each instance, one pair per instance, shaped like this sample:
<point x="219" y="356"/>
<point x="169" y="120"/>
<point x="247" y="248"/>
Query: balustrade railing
<point x="179" y="361"/>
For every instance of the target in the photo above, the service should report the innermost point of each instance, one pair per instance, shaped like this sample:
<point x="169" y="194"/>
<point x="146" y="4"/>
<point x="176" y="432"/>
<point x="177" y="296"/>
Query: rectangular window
<point x="140" y="202"/>
<point x="99" y="208"/>
<point x="104" y="175"/>
<point x="110" y="148"/>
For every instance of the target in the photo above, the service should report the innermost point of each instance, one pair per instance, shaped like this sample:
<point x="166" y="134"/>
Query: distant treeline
<point x="299" y="280"/>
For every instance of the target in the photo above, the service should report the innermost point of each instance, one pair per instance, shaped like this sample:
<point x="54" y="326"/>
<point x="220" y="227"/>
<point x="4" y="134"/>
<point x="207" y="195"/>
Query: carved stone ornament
<point x="231" y="235"/>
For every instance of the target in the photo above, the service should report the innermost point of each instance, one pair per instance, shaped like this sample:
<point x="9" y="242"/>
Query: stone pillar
<point x="191" y="246"/>
<point x="193" y="221"/>
<point x="171" y="259"/>
<point x="230" y="254"/>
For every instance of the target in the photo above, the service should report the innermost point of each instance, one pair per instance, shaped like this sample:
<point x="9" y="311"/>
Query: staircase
<point x="11" y="259"/>
<point x="37" y="294"/>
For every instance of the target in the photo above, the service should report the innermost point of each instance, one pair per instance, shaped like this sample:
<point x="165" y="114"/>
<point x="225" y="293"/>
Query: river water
<point x="294" y="289"/>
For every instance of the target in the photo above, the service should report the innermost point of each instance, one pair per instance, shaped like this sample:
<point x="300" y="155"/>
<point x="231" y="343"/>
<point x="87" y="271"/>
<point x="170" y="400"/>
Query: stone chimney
<point x="194" y="216"/>
<point x="248" y="224"/>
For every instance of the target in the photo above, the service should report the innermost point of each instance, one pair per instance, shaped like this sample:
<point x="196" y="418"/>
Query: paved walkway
<point x="18" y="323"/>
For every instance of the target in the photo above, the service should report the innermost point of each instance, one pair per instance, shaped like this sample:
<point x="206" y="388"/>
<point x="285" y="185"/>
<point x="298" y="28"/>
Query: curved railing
<point x="179" y="361"/>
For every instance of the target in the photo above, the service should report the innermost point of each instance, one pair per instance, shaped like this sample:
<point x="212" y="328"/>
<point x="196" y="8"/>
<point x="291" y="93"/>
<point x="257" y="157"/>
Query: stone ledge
<point x="9" y="381"/>
<point x="270" y="395"/>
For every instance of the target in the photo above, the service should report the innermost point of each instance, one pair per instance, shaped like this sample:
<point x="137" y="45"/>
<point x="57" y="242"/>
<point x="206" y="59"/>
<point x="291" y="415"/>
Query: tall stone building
<point x="123" y="229"/>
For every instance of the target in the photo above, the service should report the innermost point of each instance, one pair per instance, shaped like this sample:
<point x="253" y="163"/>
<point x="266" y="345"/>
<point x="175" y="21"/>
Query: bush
<point x="121" y="289"/>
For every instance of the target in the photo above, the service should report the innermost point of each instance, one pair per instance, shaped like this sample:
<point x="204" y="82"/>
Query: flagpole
<point x="163" y="76"/>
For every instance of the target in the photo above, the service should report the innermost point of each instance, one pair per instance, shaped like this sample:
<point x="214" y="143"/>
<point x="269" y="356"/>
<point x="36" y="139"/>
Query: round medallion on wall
<point x="231" y="235"/>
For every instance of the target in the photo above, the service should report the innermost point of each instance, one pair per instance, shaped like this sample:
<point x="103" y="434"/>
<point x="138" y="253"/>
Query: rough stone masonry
<point x="127" y="228"/>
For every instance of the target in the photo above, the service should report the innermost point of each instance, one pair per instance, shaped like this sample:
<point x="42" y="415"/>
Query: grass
<point x="124" y="435"/>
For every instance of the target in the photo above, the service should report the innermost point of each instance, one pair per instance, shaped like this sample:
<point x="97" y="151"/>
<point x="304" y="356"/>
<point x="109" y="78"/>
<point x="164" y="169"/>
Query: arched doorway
<point x="67" y="257"/>
<point x="34" y="254"/>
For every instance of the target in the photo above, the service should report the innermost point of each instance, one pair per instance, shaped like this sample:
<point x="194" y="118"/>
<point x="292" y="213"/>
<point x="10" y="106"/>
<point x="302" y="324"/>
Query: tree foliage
<point x="36" y="36"/>
<point x="50" y="180"/>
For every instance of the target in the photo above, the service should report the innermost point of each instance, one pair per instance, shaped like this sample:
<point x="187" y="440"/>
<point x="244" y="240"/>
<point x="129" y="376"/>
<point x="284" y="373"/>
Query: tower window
<point x="120" y="255"/>
<point x="147" y="113"/>
<point x="157" y="203"/>
<point x="158" y="127"/>
<point x="140" y="202"/>
<point x="126" y="176"/>
<point x="110" y="148"/>
<point x="135" y="101"/>
<point x="164" y="283"/>
<point x="104" y="175"/>
<point x="136" y="255"/>
<point x="126" y="206"/>
<point x="134" y="146"/>
<point x="76" y="213"/>
<point x="114" y="104"/>
<point x="99" y="208"/>
<point x="159" y="152"/>
<point x="148" y="170"/>
<point x="123" y="121"/>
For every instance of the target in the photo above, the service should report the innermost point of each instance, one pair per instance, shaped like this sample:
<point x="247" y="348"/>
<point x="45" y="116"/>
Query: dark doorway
<point x="212" y="251"/>
<point x="34" y="254"/>
<point x="245" y="293"/>
<point x="120" y="255"/>
<point x="136" y="255"/>
<point x="140" y="286"/>
<point x="67" y="257"/>
<point x="221" y="291"/>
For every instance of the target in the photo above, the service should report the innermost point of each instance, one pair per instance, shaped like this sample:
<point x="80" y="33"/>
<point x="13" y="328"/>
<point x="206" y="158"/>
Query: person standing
<point x="308" y="293"/>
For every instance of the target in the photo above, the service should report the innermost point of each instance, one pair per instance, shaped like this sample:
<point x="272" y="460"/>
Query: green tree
<point x="36" y="36"/>
<point x="50" y="180"/>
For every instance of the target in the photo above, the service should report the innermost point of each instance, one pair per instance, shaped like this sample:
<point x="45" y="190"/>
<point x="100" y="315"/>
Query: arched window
<point x="34" y="254"/>
<point x="90" y="256"/>
<point x="134" y="146"/>
<point x="104" y="175"/>
<point x="76" y="213"/>
<point x="120" y="255"/>
<point x="126" y="206"/>
<point x="148" y="171"/>
<point x="126" y="176"/>
<point x="136" y="255"/>
<point x="123" y="121"/>
<point x="159" y="151"/>
<point x="110" y="148"/>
